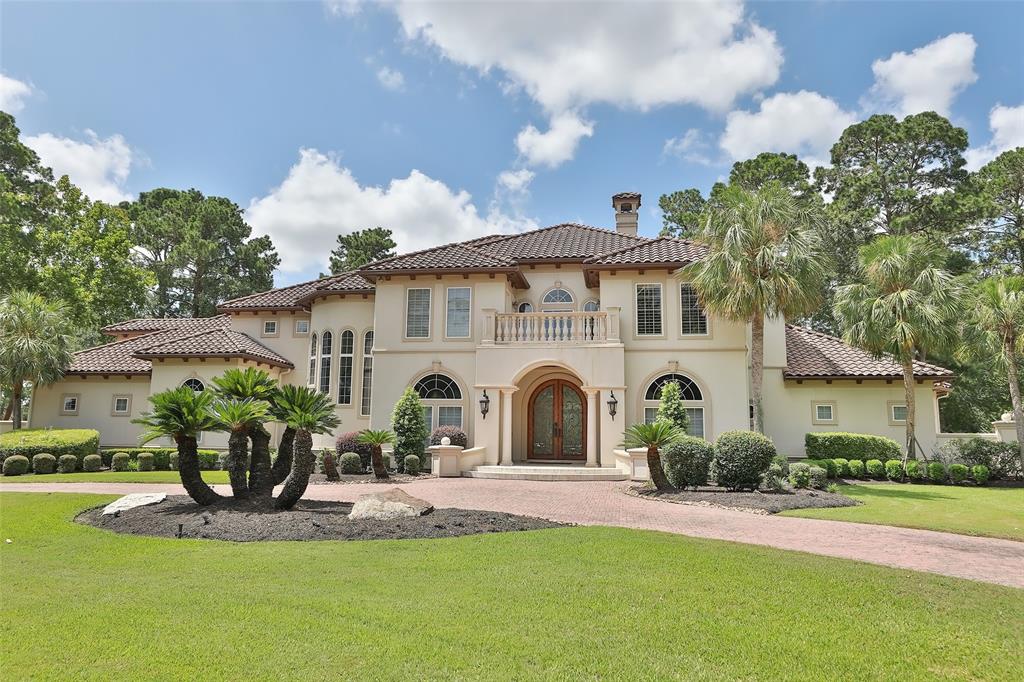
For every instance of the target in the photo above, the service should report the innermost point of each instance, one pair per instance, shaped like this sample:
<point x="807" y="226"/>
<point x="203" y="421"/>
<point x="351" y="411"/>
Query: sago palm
<point x="237" y="417"/>
<point x="253" y="384"/>
<point x="764" y="260"/>
<point x="285" y="396"/>
<point x="653" y="436"/>
<point x="307" y="411"/>
<point x="376" y="439"/>
<point x="181" y="414"/>
<point x="906" y="305"/>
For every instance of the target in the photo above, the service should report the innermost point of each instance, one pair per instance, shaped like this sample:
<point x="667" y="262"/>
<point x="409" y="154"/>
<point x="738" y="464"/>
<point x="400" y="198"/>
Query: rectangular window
<point x="824" y="413"/>
<point x="345" y="358"/>
<point x="364" y="403"/>
<point x="302" y="327"/>
<point x="694" y="415"/>
<point x="648" y="309"/>
<point x="457" y="312"/>
<point x="69" y="404"/>
<point x="122" y="406"/>
<point x="449" y="416"/>
<point x="417" y="314"/>
<point x="899" y="413"/>
<point x="428" y="419"/>
<point x="693" y="320"/>
<point x="326" y="353"/>
<point x="269" y="327"/>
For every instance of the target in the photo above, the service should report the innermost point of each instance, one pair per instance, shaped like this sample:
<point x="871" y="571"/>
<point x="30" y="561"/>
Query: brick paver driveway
<point x="604" y="503"/>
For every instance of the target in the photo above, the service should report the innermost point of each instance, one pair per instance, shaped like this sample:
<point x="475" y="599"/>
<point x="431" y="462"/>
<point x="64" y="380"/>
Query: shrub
<point x="832" y="488"/>
<point x="172" y="461"/>
<point x="409" y="427"/>
<point x="209" y="460"/>
<point x="1002" y="459"/>
<point x="349" y="442"/>
<point x="330" y="467"/>
<point x="15" y="465"/>
<point x="742" y="459"/>
<point x="145" y="461"/>
<point x="856" y="467"/>
<point x="819" y="478"/>
<point x="799" y="474"/>
<point x="875" y="468"/>
<point x="894" y="470"/>
<point x="44" y="463"/>
<point x="957" y="473"/>
<point x="937" y="472"/>
<point x="68" y="463"/>
<point x="671" y="408"/>
<point x="92" y="463"/>
<point x="412" y="465"/>
<point x="773" y="479"/>
<point x="914" y="470"/>
<point x="980" y="473"/>
<point x="850" y="446"/>
<point x="162" y="457"/>
<point x="842" y="467"/>
<point x="56" y="442"/>
<point x="457" y="436"/>
<point x="687" y="461"/>
<point x="119" y="461"/>
<point x="783" y="463"/>
<point x="831" y="470"/>
<point x="351" y="463"/>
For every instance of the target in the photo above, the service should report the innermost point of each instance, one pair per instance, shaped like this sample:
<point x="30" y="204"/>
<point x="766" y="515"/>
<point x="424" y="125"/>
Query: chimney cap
<point x="626" y="196"/>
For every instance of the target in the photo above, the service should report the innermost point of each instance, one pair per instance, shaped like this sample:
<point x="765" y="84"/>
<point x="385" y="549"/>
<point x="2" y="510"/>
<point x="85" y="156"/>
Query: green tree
<point x="306" y="411"/>
<point x="358" y="248"/>
<point x="409" y="426"/>
<point x="767" y="167"/>
<point x="35" y="344"/>
<point x="376" y="440"/>
<point x="654" y="437"/>
<point x="764" y="259"/>
<point x="999" y="234"/>
<point x="907" y="305"/>
<point x="253" y="384"/>
<point x="681" y="212"/>
<point x="671" y="407"/>
<point x="238" y="417"/>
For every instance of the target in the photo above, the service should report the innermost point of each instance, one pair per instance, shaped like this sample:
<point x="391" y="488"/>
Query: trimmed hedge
<point x="875" y="468"/>
<point x="68" y="463"/>
<point x="687" y="462"/>
<point x="914" y="470"/>
<point x="850" y="446"/>
<point x="119" y="462"/>
<point x="957" y="473"/>
<point x="457" y="436"/>
<point x="412" y="464"/>
<point x="145" y="461"/>
<point x="92" y="463"/>
<point x="44" y="463"/>
<point x="894" y="470"/>
<point x="980" y="473"/>
<point x="208" y="459"/>
<point x="819" y="478"/>
<point x="799" y="474"/>
<point x="56" y="442"/>
<point x="937" y="472"/>
<point x="842" y="467"/>
<point x="351" y="463"/>
<point x="15" y="465"/>
<point x="856" y="467"/>
<point x="742" y="459"/>
<point x="831" y="470"/>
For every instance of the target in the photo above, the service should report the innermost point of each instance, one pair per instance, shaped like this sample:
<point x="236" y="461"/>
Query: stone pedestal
<point x="445" y="459"/>
<point x="1006" y="429"/>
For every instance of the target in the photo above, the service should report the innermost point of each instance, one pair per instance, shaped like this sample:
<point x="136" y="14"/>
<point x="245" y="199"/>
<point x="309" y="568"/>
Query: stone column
<point x="506" y="426"/>
<point x="613" y="323"/>
<point x="487" y="332"/>
<point x="593" y="418"/>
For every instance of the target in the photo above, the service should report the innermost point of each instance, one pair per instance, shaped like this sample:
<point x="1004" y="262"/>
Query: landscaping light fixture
<point x="485" y="404"/>
<point x="613" y="405"/>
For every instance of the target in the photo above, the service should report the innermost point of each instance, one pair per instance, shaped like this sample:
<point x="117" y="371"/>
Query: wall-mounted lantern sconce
<point x="485" y="404"/>
<point x="613" y="405"/>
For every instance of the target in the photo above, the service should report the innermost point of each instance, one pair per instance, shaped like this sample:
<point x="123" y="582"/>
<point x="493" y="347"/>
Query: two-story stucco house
<point x="543" y="346"/>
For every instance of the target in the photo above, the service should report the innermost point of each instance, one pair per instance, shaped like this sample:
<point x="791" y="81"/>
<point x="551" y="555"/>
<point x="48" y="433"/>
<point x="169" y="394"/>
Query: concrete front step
<point x="547" y="473"/>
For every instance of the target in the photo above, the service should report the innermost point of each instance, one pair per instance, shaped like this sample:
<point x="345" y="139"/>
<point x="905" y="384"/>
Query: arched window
<point x="591" y="306"/>
<point x="326" y="340"/>
<point x="692" y="397"/>
<point x="442" y="401"/>
<point x="364" y="402"/>
<point x="524" y="307"/>
<point x="195" y="384"/>
<point x="346" y="353"/>
<point x="311" y="381"/>
<point x="438" y="387"/>
<point x="558" y="296"/>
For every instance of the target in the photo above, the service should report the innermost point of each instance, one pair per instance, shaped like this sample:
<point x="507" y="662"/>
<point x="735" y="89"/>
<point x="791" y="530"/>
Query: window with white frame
<point x="442" y="401"/>
<point x="121" y="405"/>
<point x="693" y="321"/>
<point x="524" y="307"/>
<point x="346" y="356"/>
<point x="591" y="306"/>
<point x="326" y="351"/>
<point x="311" y="380"/>
<point x="69" y="403"/>
<point x="557" y="296"/>
<point x="824" y="413"/>
<point x="269" y="327"/>
<point x="364" y="402"/>
<point x="196" y="385"/>
<point x="302" y="327"/>
<point x="648" y="309"/>
<point x="417" y="313"/>
<point x="898" y="412"/>
<point x="457" y="312"/>
<point x="689" y="391"/>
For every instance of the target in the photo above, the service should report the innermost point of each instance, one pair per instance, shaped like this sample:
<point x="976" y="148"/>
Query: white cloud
<point x="1007" y="126"/>
<point x="927" y="79"/>
<point x="558" y="144"/>
<point x="803" y="123"/>
<point x="343" y="7"/>
<point x="320" y="198"/>
<point x="99" y="166"/>
<point x="391" y="79"/>
<point x="690" y="146"/>
<point x="13" y="94"/>
<point x="517" y="181"/>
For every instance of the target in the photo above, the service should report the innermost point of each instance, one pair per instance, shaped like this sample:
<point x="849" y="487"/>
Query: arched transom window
<point x="195" y="384"/>
<point x="693" y="400"/>
<point x="442" y="401"/>
<point x="558" y="296"/>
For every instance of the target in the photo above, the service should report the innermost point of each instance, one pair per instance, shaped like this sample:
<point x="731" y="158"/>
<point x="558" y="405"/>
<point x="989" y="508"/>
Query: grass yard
<point x="211" y="477"/>
<point x="992" y="511"/>
<point x="608" y="603"/>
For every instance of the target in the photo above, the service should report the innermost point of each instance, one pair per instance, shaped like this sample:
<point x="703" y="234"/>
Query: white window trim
<point x="352" y="368"/>
<point x="430" y="311"/>
<point x="191" y="378"/>
<point x="63" y="404"/>
<point x="707" y="319"/>
<point x="263" y="328"/>
<point x="636" y="310"/>
<point x="295" y="328"/>
<point x="587" y="302"/>
<point x="559" y="305"/>
<point x="362" y="374"/>
<point x="815" y="419"/>
<point x="113" y="405"/>
<point x="469" y="325"/>
<point x="335" y="342"/>
<point x="892" y="405"/>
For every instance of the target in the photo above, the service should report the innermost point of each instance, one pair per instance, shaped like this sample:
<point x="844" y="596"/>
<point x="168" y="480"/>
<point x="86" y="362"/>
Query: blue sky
<point x="445" y="121"/>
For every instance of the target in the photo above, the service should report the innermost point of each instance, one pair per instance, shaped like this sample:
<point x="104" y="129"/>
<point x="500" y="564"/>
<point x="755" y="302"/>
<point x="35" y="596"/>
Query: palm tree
<point x="764" y="259"/>
<point x="35" y="344"/>
<point x="236" y="417"/>
<point x="284" y="397"/>
<point x="256" y="384"/>
<point x="307" y="411"/>
<point x="376" y="439"/>
<point x="906" y="305"/>
<point x="653" y="437"/>
<point x="181" y="413"/>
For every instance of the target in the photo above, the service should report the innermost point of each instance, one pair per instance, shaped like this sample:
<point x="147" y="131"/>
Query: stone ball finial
<point x="446" y="441"/>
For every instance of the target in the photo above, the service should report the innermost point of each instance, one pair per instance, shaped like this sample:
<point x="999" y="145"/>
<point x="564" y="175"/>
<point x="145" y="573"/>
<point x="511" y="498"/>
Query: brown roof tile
<point x="811" y="354"/>
<point x="223" y="343"/>
<point x="661" y="251"/>
<point x="118" y="357"/>
<point x="154" y="324"/>
<point x="568" y="241"/>
<point x="446" y="257"/>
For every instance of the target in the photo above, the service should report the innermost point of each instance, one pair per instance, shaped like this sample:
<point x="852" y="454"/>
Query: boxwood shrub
<point x="850" y="446"/>
<point x="412" y="464"/>
<point x="741" y="459"/>
<point x="875" y="468"/>
<point x="819" y="477"/>
<point x="937" y="472"/>
<point x="1002" y="459"/>
<point x="856" y="467"/>
<point x="351" y="464"/>
<point x="119" y="462"/>
<point x="92" y="463"/>
<point x="980" y="473"/>
<point x="44" y="463"/>
<point x="349" y="442"/>
<point x="800" y="474"/>
<point x="68" y="463"/>
<point x="829" y="465"/>
<point x="773" y="479"/>
<point x="914" y="470"/>
<point x="145" y="461"/>
<point x="842" y="467"/>
<point x="894" y="470"/>
<point x="957" y="473"/>
<point x="208" y="459"/>
<point x="56" y="442"/>
<point x="15" y="465"/>
<point x="457" y="435"/>
<point x="687" y="462"/>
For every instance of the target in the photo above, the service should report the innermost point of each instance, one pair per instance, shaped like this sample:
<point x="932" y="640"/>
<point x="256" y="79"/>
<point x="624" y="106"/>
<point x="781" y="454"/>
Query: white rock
<point x="134" y="500"/>
<point x="446" y="441"/>
<point x="391" y="504"/>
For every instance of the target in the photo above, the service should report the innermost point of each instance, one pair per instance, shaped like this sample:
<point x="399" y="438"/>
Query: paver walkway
<point x="603" y="503"/>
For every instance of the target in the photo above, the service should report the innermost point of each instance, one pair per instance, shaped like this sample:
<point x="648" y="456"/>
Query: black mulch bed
<point x="761" y="502"/>
<point x="309" y="520"/>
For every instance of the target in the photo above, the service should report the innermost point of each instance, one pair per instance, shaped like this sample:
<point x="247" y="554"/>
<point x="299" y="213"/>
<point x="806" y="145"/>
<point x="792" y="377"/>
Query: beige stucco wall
<point x="286" y="342"/>
<point x="95" y="407"/>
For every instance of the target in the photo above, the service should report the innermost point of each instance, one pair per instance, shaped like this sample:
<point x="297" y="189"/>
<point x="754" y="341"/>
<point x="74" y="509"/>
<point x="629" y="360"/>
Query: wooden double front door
<point x="557" y="422"/>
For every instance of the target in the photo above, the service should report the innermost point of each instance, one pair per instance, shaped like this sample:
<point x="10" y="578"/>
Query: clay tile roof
<point x="222" y="343"/>
<point x="285" y="298"/>
<point x="447" y="257"/>
<point x="568" y="241"/>
<point x="118" y="357"/>
<point x="811" y="354"/>
<point x="626" y="195"/>
<point x="344" y="283"/>
<point x="663" y="250"/>
<point x="155" y="324"/>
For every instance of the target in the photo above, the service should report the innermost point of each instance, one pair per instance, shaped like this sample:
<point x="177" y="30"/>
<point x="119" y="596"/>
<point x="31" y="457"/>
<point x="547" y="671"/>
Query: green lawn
<point x="991" y="511"/>
<point x="113" y="477"/>
<point x="573" y="603"/>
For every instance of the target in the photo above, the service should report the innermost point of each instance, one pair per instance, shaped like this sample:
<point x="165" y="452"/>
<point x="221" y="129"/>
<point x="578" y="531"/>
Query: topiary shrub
<point x="351" y="464"/>
<point x="671" y="408"/>
<point x="774" y="477"/>
<point x="856" y="467"/>
<point x="742" y="459"/>
<point x="56" y="442"/>
<point x="410" y="429"/>
<point x="120" y="461"/>
<point x="915" y="472"/>
<point x="44" y="463"/>
<point x="980" y="473"/>
<point x="687" y="462"/>
<point x="349" y="442"/>
<point x="827" y="464"/>
<point x="412" y="465"/>
<point x="842" y="467"/>
<point x="958" y="473"/>
<point x="92" y="463"/>
<point x="894" y="470"/>
<point x="15" y="465"/>
<point x="145" y="461"/>
<point x="850" y="446"/>
<point x="68" y="463"/>
<point x="875" y="468"/>
<point x="937" y="472"/>
<point x="819" y="478"/>
<point x="799" y="474"/>
<point x="457" y="436"/>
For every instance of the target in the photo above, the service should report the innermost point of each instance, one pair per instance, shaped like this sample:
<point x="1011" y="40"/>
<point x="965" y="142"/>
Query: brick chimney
<point x="626" y="205"/>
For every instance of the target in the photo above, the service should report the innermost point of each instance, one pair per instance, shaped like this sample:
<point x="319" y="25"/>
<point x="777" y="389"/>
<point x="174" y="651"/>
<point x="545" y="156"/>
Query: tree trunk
<point x="757" y="368"/>
<point x="283" y="464"/>
<point x="330" y="467"/>
<point x="908" y="389"/>
<point x="8" y="409"/>
<point x="261" y="477"/>
<point x="302" y="467"/>
<point x="191" y="476"/>
<point x="1018" y="405"/>
<point x="238" y="450"/>
<point x="377" y="459"/>
<point x="658" y="476"/>
<point x="16" y="405"/>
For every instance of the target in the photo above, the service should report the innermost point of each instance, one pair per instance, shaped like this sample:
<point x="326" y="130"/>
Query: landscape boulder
<point x="133" y="500"/>
<point x="390" y="504"/>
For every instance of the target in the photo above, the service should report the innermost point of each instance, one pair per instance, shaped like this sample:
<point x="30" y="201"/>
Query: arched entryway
<point x="556" y="422"/>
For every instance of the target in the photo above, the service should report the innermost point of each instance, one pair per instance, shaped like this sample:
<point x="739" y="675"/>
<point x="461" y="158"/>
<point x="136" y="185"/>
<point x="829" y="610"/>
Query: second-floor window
<point x="648" y="309"/>
<point x="457" y="315"/>
<point x="364" y="403"/>
<point x="325" y="362"/>
<point x="693" y="319"/>
<point x="417" y="314"/>
<point x="312" y="361"/>
<point x="346" y="352"/>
